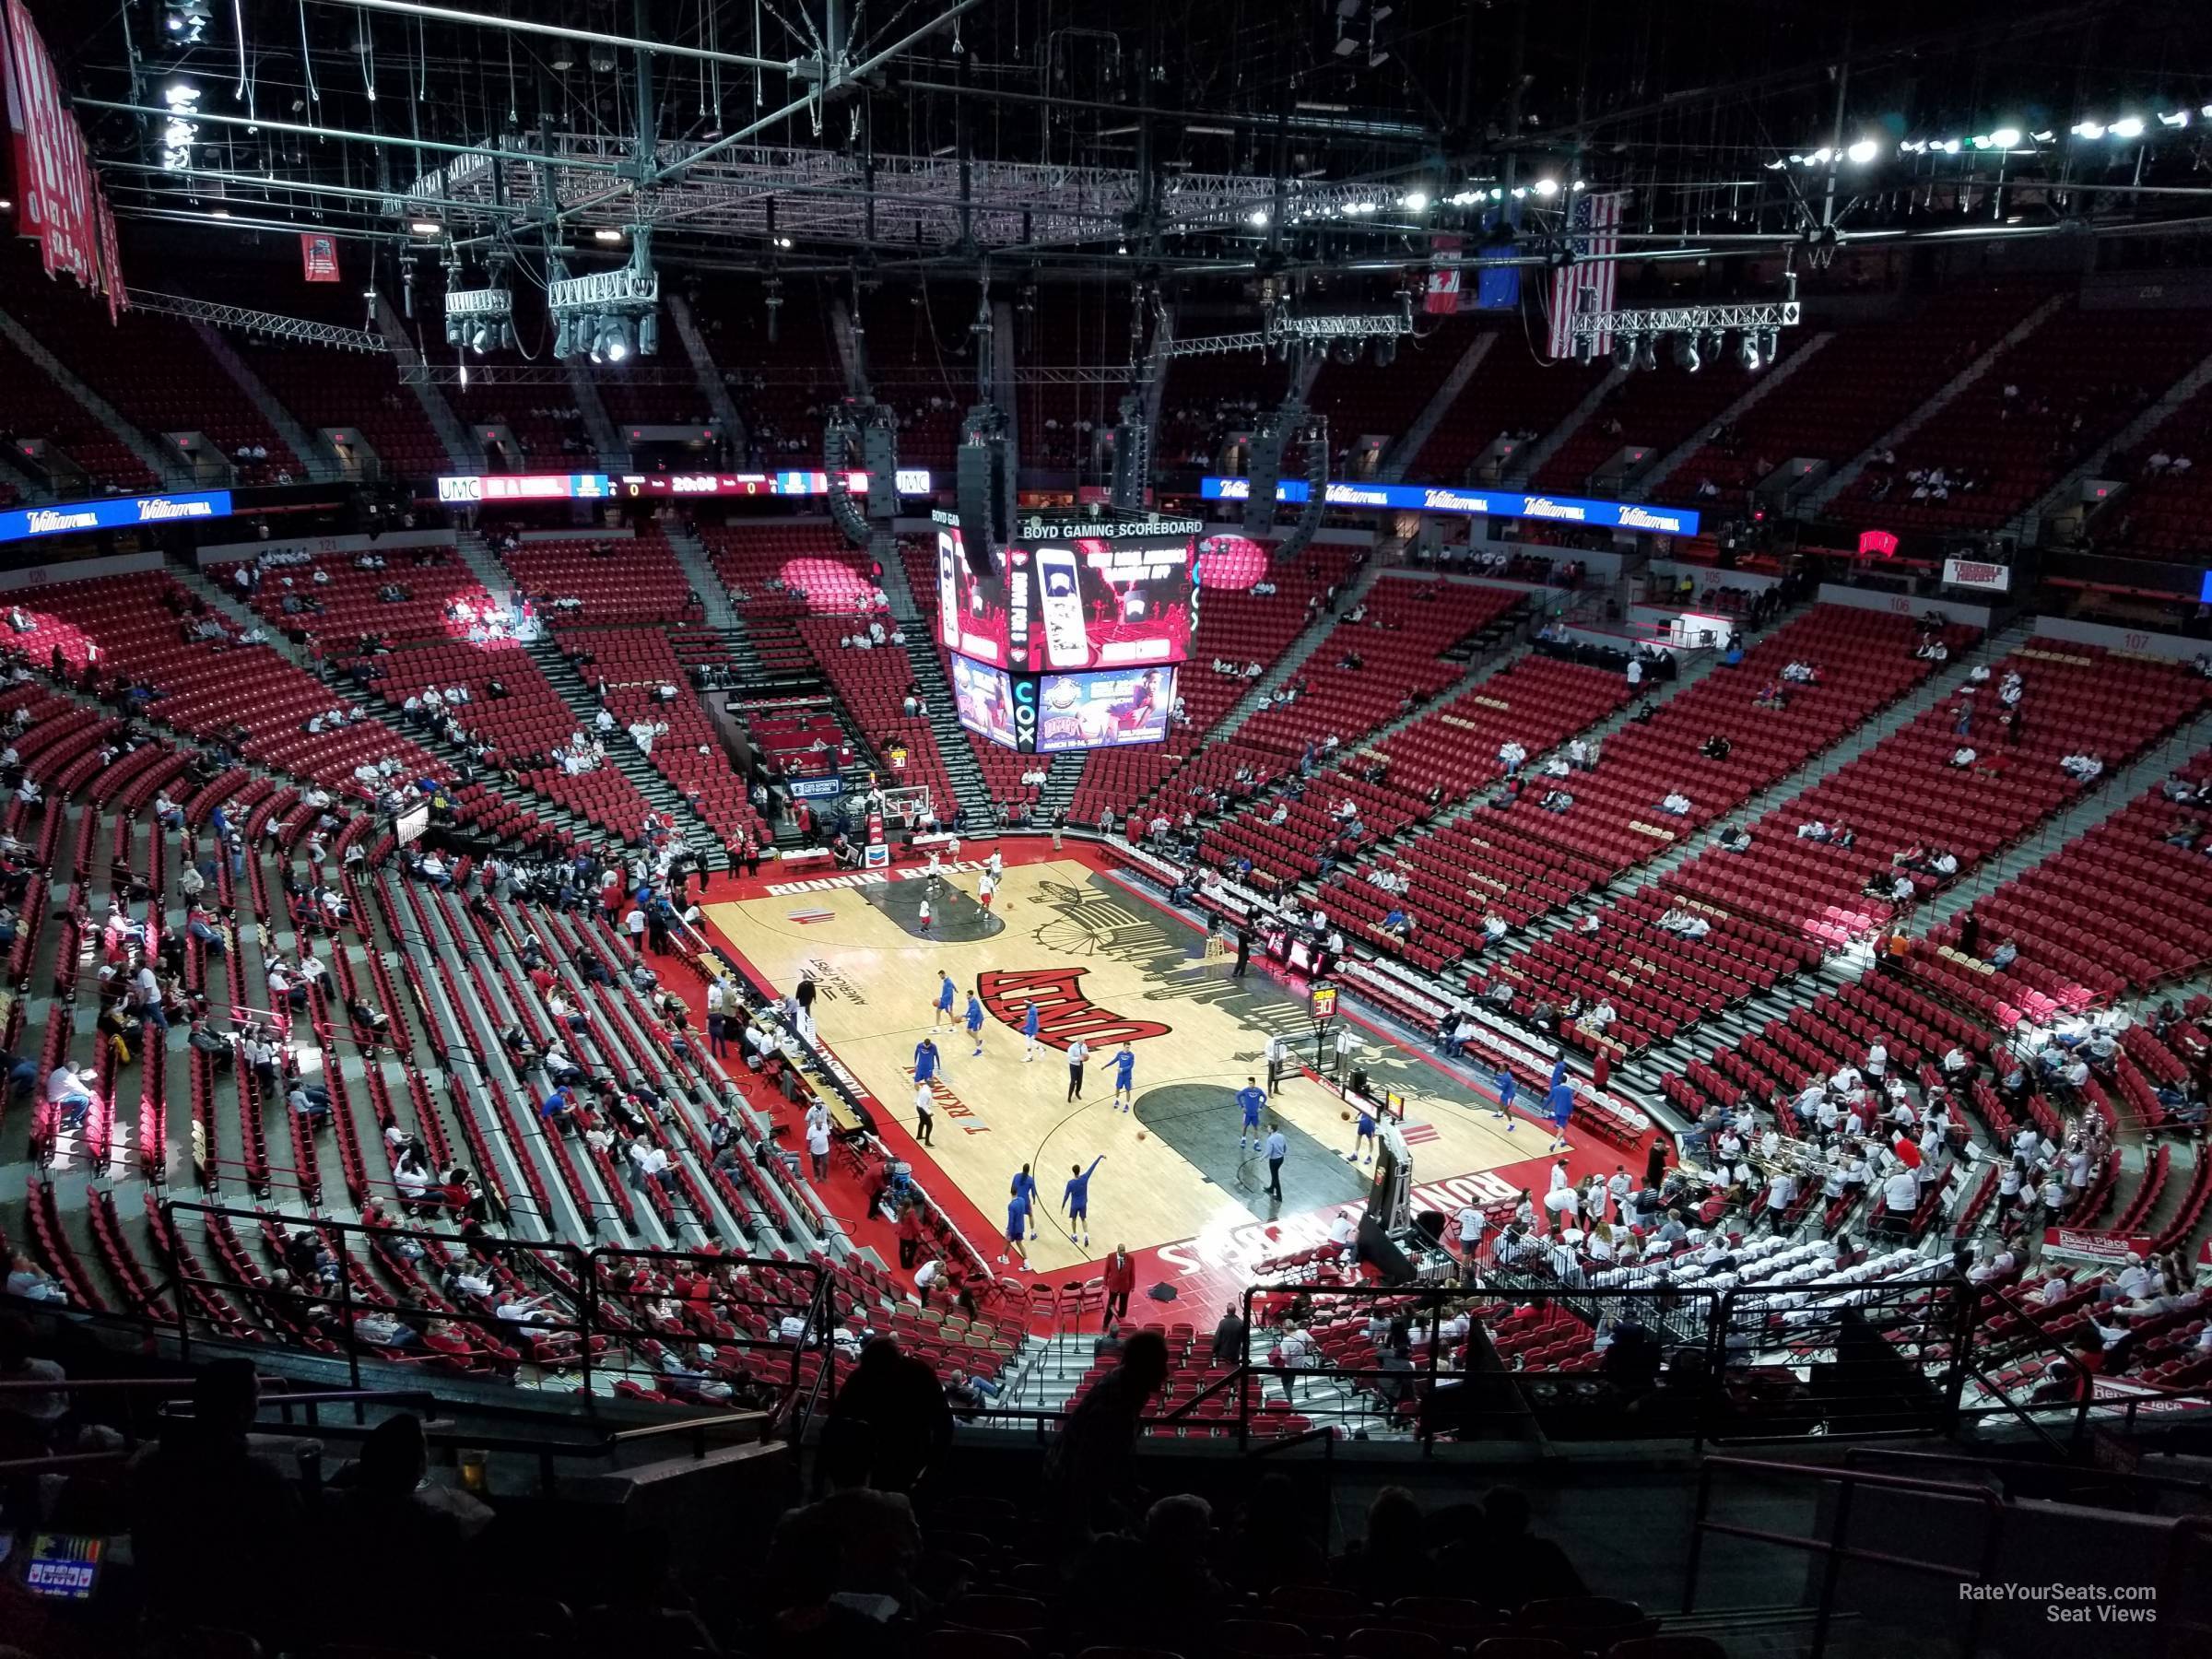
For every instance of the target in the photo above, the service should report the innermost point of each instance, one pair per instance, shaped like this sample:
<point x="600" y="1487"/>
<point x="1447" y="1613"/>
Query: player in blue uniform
<point x="1363" y="1133"/>
<point x="1025" y="1190"/>
<point x="1251" y="1097"/>
<point x="975" y="1020"/>
<point x="1507" y="1084"/>
<point x="1031" y="1022"/>
<point x="942" y="1014"/>
<point x="925" y="1060"/>
<point x="1562" y="1108"/>
<point x="1075" y="1199"/>
<point x="1017" y="1221"/>
<point x="1124" y="1077"/>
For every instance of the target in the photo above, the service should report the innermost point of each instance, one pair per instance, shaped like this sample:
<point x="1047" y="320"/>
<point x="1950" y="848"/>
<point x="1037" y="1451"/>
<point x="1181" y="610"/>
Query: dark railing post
<point x="1713" y="1389"/>
<point x="1425" y="1425"/>
<point x="1698" y="1515"/>
<point x="1964" y="1323"/>
<point x="1243" y="1376"/>
<point x="176" y="1278"/>
<point x="1831" y="1569"/>
<point x="353" y="1346"/>
<point x="589" y="1278"/>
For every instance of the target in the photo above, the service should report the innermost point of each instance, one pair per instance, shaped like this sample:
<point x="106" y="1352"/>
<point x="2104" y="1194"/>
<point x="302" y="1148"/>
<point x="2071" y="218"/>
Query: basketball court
<point x="1104" y="961"/>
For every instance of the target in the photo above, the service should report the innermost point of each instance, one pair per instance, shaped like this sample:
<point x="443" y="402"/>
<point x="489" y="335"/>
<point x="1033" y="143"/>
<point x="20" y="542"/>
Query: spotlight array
<point x="178" y="131"/>
<point x="609" y="316"/>
<point x="1695" y="336"/>
<point x="480" y="319"/>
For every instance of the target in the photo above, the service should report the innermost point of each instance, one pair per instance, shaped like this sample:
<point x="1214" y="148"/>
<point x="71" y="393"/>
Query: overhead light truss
<point x="1281" y="332"/>
<point x="1694" y="320"/>
<point x="828" y="196"/>
<point x="273" y="324"/>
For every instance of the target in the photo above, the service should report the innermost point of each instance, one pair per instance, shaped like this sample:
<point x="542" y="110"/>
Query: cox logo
<point x="1025" y="713"/>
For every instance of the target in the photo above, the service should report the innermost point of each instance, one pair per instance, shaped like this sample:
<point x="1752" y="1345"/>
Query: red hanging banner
<point x="317" y="256"/>
<point x="58" y="200"/>
<point x="1439" y="294"/>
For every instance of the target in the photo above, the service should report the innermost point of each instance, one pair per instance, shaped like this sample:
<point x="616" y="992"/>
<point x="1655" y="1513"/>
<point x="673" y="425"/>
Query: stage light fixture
<point x="480" y="341"/>
<point x="564" y="339"/>
<point x="1687" y="356"/>
<point x="1864" y="151"/>
<point x="649" y="334"/>
<point x="1624" y="351"/>
<point x="1747" y="351"/>
<point x="2127" y="127"/>
<point x="1415" y="201"/>
<point x="2005" y="137"/>
<point x="606" y="233"/>
<point x="2088" y="129"/>
<point x="1647" y="354"/>
<point x="1548" y="188"/>
<point x="617" y="338"/>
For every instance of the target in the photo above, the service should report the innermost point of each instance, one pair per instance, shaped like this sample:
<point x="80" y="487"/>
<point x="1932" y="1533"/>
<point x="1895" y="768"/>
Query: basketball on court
<point x="1140" y="1135"/>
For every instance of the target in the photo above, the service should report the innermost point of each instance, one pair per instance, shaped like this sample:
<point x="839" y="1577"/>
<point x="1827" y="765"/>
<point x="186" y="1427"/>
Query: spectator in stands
<point x="900" y="1397"/>
<point x="29" y="1282"/>
<point x="1087" y="1469"/>
<point x="213" y="1525"/>
<point x="853" y="1541"/>
<point x="1394" y="1551"/>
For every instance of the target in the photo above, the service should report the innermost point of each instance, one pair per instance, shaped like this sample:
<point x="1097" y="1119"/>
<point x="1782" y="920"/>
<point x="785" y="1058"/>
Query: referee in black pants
<point x="1277" y="1149"/>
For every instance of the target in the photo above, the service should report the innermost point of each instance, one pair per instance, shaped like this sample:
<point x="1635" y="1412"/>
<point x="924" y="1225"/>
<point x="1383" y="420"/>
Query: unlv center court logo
<point x="1063" y="1013"/>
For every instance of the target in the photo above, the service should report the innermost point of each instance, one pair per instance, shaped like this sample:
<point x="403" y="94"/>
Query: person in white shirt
<point x="817" y="1148"/>
<point x="1993" y="1266"/>
<point x="1900" y="1197"/>
<point x="1962" y="756"/>
<point x="1344" y="1233"/>
<point x="1471" y="1223"/>
<point x="1677" y="803"/>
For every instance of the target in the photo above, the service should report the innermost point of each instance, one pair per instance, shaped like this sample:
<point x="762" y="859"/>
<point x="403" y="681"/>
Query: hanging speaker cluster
<point x="1131" y="454"/>
<point x="839" y="433"/>
<point x="984" y="487"/>
<point x="1265" y="469"/>
<point x="1317" y="492"/>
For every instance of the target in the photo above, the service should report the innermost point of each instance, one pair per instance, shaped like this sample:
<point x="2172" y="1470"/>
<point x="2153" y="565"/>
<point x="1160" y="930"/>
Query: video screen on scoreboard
<point x="975" y="616"/>
<point x="983" y="698"/>
<point x="1109" y="604"/>
<point x="1103" y="709"/>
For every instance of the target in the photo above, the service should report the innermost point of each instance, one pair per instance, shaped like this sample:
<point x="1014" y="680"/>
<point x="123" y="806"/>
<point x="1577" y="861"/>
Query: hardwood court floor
<point x="1109" y="965"/>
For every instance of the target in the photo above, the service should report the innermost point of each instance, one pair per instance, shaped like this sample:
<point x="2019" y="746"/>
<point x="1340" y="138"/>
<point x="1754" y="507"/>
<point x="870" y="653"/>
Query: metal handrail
<point x="1834" y="1549"/>
<point x="2000" y="1466"/>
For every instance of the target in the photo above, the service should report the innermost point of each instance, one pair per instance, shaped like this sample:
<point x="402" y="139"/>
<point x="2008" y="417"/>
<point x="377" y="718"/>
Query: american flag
<point x="1593" y="232"/>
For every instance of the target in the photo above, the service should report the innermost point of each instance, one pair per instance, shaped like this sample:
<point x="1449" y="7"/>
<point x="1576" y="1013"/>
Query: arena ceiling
<point x="1045" y="136"/>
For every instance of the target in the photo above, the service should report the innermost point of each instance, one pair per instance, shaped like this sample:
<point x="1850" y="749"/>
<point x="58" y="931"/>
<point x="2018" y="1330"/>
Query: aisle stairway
<point x="621" y="753"/>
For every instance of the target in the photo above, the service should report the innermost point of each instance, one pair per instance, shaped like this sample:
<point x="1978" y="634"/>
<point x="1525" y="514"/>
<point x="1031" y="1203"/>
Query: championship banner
<point x="317" y="256"/>
<point x="58" y="200"/>
<point x="1439" y="294"/>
